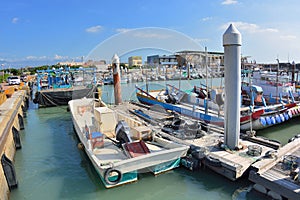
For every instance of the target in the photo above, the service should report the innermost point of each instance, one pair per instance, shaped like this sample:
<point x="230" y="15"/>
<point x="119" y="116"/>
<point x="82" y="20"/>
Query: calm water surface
<point x="50" y="166"/>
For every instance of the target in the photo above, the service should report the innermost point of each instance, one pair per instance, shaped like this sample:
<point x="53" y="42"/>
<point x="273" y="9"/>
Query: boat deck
<point x="112" y="154"/>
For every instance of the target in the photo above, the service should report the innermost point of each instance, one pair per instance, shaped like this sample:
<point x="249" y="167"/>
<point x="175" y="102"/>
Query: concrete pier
<point x="11" y="112"/>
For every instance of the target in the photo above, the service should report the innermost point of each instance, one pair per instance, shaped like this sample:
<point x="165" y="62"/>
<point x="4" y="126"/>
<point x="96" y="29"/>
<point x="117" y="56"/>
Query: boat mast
<point x="252" y="104"/>
<point x="277" y="80"/>
<point x="206" y="77"/>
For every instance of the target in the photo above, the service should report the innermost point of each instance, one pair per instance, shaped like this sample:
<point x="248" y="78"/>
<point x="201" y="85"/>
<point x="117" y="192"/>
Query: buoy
<point x="278" y="119"/>
<point x="80" y="146"/>
<point x="263" y="121"/>
<point x="290" y="113"/>
<point x="282" y="117"/>
<point x="286" y="116"/>
<point x="268" y="120"/>
<point x="273" y="120"/>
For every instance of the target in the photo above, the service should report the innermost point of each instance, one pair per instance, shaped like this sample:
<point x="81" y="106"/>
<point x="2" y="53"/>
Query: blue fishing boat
<point x="57" y="87"/>
<point x="189" y="105"/>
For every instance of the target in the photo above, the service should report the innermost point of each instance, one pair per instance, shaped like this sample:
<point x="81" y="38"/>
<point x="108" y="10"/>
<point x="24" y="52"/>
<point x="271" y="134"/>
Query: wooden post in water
<point x="232" y="42"/>
<point x="117" y="79"/>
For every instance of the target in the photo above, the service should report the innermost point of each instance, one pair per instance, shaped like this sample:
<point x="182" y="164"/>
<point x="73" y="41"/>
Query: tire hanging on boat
<point x="107" y="175"/>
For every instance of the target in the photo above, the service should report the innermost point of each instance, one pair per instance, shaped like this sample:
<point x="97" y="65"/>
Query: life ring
<point x="107" y="175"/>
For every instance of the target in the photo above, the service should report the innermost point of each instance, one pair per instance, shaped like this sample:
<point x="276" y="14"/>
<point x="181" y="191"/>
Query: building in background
<point x="135" y="61"/>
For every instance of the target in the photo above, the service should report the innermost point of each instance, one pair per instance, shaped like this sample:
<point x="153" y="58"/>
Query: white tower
<point x="232" y="42"/>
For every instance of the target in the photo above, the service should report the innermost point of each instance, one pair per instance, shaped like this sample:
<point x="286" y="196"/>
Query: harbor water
<point x="51" y="166"/>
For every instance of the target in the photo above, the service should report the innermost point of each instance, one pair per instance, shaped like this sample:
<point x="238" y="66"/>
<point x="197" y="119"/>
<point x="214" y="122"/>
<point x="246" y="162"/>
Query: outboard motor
<point x="122" y="132"/>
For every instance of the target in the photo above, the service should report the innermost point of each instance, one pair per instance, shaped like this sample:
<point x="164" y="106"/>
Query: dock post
<point x="117" y="81"/>
<point x="232" y="42"/>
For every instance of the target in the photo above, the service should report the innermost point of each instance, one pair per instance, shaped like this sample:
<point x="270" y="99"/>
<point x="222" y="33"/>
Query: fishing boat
<point x="119" y="146"/>
<point x="108" y="80"/>
<point x="208" y="111"/>
<point x="58" y="87"/>
<point x="275" y="83"/>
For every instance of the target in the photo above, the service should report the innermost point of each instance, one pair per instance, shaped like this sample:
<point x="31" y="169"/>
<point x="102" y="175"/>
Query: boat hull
<point x="260" y="119"/>
<point x="155" y="162"/>
<point x="61" y="96"/>
<point x="181" y="110"/>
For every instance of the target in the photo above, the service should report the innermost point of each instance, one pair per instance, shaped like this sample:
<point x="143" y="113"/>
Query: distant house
<point x="100" y="65"/>
<point x="73" y="63"/>
<point x="156" y="60"/>
<point x="135" y="61"/>
<point x="200" y="58"/>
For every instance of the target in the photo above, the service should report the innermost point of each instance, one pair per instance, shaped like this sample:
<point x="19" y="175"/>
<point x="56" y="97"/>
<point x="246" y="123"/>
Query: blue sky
<point x="34" y="32"/>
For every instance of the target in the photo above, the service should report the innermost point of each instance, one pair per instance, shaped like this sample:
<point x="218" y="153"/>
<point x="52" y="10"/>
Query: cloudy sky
<point x="35" y="32"/>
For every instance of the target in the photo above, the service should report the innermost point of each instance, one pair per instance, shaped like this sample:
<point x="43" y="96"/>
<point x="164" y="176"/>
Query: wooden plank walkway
<point x="274" y="174"/>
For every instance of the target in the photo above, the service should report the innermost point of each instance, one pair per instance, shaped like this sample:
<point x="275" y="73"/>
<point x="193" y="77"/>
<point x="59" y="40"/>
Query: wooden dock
<point x="278" y="176"/>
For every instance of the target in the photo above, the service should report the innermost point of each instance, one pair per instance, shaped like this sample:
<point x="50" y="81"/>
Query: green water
<point x="50" y="166"/>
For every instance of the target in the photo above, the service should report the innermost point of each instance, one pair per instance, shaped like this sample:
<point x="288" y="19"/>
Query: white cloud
<point x="15" y="20"/>
<point x="31" y="58"/>
<point x="151" y="35"/>
<point x="288" y="37"/>
<point x="200" y="40"/>
<point x="58" y="57"/>
<point x="143" y="33"/>
<point x="94" y="29"/>
<point x="206" y="19"/>
<point x="41" y="58"/>
<point x="123" y="30"/>
<point x="250" y="28"/>
<point x="229" y="2"/>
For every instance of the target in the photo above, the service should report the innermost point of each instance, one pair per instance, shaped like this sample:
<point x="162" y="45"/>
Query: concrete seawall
<point x="11" y="122"/>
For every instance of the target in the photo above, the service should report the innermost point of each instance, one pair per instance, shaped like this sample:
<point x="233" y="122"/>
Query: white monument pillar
<point x="232" y="42"/>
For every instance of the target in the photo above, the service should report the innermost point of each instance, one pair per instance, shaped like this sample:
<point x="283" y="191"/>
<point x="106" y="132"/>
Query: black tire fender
<point x="117" y="180"/>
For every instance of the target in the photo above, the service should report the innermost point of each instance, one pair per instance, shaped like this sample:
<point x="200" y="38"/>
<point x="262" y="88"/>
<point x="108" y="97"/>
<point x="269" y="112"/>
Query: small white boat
<point x="118" y="158"/>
